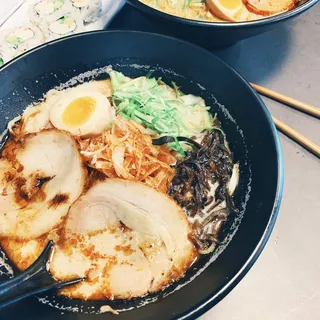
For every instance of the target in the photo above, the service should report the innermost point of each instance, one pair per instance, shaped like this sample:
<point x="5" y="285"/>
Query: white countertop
<point x="6" y="8"/>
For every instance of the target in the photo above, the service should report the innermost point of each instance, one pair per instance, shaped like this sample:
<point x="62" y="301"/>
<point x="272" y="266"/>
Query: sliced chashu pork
<point x="269" y="7"/>
<point x="41" y="177"/>
<point x="126" y="238"/>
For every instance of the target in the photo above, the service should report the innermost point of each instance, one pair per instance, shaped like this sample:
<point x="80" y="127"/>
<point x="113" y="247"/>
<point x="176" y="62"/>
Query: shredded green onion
<point x="159" y="107"/>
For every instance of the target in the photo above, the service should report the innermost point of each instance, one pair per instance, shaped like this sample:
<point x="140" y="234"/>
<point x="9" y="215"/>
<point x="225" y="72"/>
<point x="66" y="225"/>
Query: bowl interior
<point x="244" y="118"/>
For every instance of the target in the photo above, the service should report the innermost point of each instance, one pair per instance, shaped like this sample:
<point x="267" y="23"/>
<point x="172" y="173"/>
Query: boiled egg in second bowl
<point x="83" y="114"/>
<point x="225" y="9"/>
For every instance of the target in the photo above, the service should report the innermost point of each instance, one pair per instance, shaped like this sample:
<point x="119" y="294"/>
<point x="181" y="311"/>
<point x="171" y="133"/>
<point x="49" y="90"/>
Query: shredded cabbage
<point x="162" y="109"/>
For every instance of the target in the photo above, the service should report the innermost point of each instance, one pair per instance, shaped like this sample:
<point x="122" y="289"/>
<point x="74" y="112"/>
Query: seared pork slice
<point x="269" y="7"/>
<point x="44" y="176"/>
<point x="126" y="238"/>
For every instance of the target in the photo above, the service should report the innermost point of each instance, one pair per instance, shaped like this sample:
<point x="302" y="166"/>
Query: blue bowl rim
<point x="224" y="25"/>
<point x="210" y="301"/>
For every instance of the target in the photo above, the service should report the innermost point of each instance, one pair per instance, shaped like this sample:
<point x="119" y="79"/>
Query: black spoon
<point x="35" y="279"/>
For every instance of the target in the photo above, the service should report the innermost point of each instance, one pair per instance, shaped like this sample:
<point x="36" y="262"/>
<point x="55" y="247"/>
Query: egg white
<point x="100" y="118"/>
<point x="217" y="8"/>
<point x="237" y="14"/>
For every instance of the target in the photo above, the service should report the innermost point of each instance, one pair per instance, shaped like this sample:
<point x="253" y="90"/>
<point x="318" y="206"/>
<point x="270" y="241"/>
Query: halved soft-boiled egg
<point x="83" y="114"/>
<point x="241" y="10"/>
<point x="225" y="9"/>
<point x="37" y="118"/>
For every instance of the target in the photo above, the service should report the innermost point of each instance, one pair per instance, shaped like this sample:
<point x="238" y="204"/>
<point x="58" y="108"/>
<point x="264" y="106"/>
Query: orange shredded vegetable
<point x="126" y="151"/>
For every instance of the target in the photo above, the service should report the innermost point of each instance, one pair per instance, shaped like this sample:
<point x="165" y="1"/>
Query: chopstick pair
<point x="314" y="111"/>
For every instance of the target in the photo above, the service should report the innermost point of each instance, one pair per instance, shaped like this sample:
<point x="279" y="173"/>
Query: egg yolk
<point x="230" y="4"/>
<point x="78" y="111"/>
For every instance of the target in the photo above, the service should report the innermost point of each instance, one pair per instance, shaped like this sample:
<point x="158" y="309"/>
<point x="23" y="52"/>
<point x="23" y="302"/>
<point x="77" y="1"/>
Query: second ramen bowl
<point x="216" y="35"/>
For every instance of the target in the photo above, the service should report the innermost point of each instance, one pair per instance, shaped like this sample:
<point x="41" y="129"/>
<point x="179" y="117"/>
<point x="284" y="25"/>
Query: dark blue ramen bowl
<point x="245" y="119"/>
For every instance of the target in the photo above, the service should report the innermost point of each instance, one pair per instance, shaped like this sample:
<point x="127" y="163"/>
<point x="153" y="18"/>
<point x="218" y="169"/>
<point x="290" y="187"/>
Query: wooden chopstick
<point x="301" y="139"/>
<point x="287" y="100"/>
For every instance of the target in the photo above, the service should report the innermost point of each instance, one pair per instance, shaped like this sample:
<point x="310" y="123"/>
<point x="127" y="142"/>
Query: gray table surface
<point x="284" y="283"/>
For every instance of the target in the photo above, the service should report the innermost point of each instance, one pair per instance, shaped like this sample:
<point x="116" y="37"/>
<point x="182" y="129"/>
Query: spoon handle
<point x="35" y="279"/>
